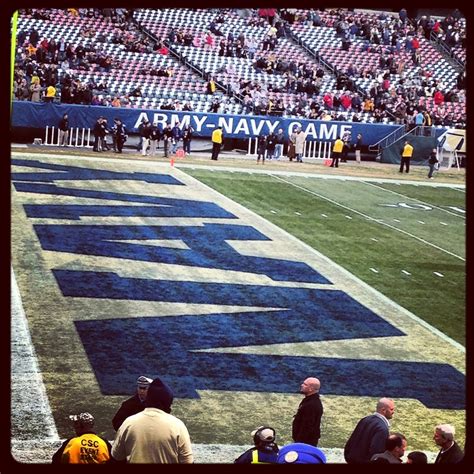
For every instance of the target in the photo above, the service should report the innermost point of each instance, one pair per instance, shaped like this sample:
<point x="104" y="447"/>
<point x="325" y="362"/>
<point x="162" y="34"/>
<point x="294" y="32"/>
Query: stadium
<point x="234" y="279"/>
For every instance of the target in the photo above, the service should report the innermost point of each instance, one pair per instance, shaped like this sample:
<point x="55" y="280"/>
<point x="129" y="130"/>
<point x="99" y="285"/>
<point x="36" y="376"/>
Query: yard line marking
<point x="405" y="272"/>
<point x="443" y="223"/>
<point x="414" y="199"/>
<point x="374" y="239"/>
<point x="379" y="221"/>
<point x="421" y="222"/>
<point x="348" y="217"/>
<point x="439" y="274"/>
<point x="35" y="402"/>
<point x="374" y="270"/>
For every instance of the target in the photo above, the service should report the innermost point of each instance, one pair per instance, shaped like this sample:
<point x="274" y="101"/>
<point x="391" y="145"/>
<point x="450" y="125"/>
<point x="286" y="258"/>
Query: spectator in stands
<point x="370" y="434"/>
<point x="84" y="448"/>
<point x="306" y="426"/>
<point x="264" y="451"/>
<point x="35" y="89"/>
<point x="300" y="453"/>
<point x="395" y="447"/>
<point x="153" y="435"/>
<point x="50" y="94"/>
<point x="63" y="127"/>
<point x="132" y="405"/>
<point x="406" y="154"/>
<point x="417" y="457"/>
<point x="211" y="86"/>
<point x="217" y="139"/>
<point x="450" y="452"/>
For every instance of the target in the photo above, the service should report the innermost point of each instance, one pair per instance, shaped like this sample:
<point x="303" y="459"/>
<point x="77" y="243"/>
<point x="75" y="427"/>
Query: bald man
<point x="370" y="434"/>
<point x="307" y="421"/>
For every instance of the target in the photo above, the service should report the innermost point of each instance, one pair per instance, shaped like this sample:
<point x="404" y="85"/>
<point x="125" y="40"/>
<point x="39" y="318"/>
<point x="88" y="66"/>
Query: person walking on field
<point x="216" y="139"/>
<point x="407" y="153"/>
<point x="432" y="162"/>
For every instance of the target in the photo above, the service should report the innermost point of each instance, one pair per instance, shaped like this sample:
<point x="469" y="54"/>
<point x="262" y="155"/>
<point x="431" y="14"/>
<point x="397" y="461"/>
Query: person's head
<point x="444" y="435"/>
<point x="397" y="444"/>
<point x="83" y="423"/>
<point x="359" y="135"/>
<point x="310" y="386"/>
<point x="142" y="387"/>
<point x="263" y="437"/>
<point x="386" y="407"/>
<point x="280" y="131"/>
<point x="417" y="457"/>
<point x="65" y="116"/>
<point x="300" y="453"/>
<point x="159" y="396"/>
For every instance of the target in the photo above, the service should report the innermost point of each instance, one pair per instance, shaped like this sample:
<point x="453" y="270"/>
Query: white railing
<point x="311" y="149"/>
<point x="78" y="137"/>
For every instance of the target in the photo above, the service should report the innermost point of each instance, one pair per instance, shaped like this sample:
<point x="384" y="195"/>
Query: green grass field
<point x="413" y="255"/>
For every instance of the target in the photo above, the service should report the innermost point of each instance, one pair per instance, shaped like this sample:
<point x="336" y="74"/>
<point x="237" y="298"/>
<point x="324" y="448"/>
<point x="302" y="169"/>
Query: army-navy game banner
<point x="40" y="115"/>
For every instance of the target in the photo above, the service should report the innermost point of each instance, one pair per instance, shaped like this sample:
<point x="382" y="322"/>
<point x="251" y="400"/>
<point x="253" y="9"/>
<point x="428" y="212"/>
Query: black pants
<point x="216" y="147"/>
<point x="335" y="159"/>
<point x="405" y="161"/>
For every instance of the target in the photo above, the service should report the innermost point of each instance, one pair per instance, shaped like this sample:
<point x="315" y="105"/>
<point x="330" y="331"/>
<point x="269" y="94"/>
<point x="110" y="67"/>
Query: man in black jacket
<point x="134" y="404"/>
<point x="370" y="434"/>
<point x="450" y="452"/>
<point x="307" y="421"/>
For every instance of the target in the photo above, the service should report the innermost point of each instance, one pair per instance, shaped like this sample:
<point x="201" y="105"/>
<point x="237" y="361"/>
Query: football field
<point x="233" y="285"/>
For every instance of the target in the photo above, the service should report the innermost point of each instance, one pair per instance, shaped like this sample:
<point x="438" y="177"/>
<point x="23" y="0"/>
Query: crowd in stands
<point x="389" y="93"/>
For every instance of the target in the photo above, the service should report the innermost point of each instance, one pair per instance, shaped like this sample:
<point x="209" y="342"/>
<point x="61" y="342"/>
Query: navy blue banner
<point x="40" y="115"/>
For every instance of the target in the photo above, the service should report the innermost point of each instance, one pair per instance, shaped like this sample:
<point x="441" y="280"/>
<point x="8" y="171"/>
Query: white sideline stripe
<point x="414" y="199"/>
<point x="439" y="274"/>
<point x="378" y="221"/>
<point x="33" y="402"/>
<point x="369" y="288"/>
<point x="153" y="165"/>
<point x="405" y="272"/>
<point x="374" y="270"/>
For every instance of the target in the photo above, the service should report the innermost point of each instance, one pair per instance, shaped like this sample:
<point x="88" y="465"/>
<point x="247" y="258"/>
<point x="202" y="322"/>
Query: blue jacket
<point x="367" y="439"/>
